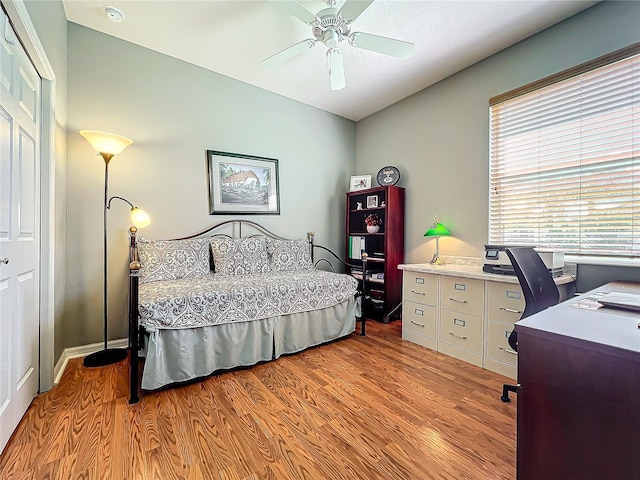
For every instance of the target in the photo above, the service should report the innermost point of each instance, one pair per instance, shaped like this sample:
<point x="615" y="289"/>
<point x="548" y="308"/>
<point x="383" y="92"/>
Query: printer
<point x="497" y="261"/>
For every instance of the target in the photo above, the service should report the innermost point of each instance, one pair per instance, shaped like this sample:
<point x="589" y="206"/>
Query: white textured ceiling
<point x="232" y="37"/>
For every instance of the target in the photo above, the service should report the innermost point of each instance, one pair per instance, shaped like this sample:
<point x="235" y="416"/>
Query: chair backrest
<point x="539" y="289"/>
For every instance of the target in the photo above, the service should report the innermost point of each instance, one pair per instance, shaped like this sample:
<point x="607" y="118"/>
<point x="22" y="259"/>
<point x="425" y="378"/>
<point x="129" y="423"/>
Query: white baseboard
<point x="83" y="351"/>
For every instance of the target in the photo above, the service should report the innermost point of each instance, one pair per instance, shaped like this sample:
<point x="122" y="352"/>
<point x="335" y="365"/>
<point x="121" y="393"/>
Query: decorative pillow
<point x="173" y="259"/>
<point x="240" y="256"/>
<point x="289" y="255"/>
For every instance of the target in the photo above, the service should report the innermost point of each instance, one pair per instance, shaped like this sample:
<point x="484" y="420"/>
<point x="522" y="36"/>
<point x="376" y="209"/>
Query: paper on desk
<point x="590" y="302"/>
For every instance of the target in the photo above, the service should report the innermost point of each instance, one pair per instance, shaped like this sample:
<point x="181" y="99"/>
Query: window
<point x="565" y="160"/>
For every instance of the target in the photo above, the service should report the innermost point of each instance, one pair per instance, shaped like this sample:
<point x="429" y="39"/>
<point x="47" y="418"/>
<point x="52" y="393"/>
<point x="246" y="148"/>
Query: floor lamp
<point x="109" y="145"/>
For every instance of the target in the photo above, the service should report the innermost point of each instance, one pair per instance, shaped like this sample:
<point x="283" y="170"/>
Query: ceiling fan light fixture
<point x="331" y="38"/>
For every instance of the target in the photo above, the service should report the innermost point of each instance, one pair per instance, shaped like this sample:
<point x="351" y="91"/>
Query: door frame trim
<point x="26" y="32"/>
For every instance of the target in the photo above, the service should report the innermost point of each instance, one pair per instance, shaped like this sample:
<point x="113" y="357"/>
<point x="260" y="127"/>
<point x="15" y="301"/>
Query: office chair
<point x="539" y="290"/>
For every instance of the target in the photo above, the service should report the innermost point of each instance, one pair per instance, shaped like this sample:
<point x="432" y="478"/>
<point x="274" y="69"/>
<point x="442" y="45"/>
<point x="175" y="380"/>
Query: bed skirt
<point x="186" y="354"/>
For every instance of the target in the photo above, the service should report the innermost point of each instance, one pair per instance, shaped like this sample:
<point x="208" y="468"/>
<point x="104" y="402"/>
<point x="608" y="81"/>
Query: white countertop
<point x="467" y="271"/>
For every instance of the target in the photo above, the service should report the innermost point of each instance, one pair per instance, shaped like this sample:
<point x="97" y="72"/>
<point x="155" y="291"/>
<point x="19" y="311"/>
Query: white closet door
<point x="19" y="231"/>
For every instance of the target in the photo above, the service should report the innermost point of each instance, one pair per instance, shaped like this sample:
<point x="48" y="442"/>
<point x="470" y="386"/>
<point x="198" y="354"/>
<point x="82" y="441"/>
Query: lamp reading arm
<point x="120" y="198"/>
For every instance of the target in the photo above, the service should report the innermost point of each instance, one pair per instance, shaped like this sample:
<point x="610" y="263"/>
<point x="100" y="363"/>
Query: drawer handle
<point x="512" y="310"/>
<point x="456" y="300"/>
<point x="417" y="324"/>
<point x="418" y="293"/>
<point x="463" y="337"/>
<point x="508" y="350"/>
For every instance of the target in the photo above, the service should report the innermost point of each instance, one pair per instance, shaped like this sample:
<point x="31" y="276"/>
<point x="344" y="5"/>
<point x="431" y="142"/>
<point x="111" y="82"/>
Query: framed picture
<point x="242" y="184"/>
<point x="360" y="182"/>
<point x="372" y="201"/>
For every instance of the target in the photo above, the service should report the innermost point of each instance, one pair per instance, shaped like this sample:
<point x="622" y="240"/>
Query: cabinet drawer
<point x="462" y="295"/>
<point x="497" y="342"/>
<point x="464" y="331"/>
<point x="419" y="318"/>
<point x="505" y="302"/>
<point x="420" y="288"/>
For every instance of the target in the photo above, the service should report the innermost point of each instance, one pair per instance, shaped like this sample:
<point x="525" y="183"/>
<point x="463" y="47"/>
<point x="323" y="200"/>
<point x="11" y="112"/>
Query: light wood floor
<point x="373" y="407"/>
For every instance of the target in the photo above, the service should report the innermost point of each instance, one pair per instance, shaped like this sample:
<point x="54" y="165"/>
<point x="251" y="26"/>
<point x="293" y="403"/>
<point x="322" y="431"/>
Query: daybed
<point x="226" y="298"/>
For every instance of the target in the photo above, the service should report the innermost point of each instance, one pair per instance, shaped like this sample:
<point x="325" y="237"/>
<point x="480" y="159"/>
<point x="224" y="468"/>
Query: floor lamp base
<point x="105" y="357"/>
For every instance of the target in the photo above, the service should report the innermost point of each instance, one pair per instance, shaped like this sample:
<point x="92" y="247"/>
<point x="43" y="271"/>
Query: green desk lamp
<point x="437" y="230"/>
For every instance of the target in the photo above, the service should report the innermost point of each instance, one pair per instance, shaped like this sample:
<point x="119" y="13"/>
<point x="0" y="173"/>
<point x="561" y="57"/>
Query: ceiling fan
<point x="330" y="27"/>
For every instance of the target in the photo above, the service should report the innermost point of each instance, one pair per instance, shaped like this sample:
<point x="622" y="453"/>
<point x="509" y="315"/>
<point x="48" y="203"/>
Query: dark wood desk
<point x="579" y="401"/>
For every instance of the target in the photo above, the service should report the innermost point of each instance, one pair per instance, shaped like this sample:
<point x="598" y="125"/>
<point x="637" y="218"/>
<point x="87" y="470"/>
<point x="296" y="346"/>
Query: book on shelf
<point x="356" y="247"/>
<point x="376" y="293"/>
<point x="377" y="305"/>
<point x="375" y="259"/>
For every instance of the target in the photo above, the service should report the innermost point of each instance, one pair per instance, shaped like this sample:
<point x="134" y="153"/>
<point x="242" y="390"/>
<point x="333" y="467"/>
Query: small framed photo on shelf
<point x="359" y="182"/>
<point x="372" y="201"/>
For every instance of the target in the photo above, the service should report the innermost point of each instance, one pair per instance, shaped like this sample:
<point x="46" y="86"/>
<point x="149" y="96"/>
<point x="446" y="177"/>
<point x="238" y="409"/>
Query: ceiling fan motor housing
<point x="331" y="28"/>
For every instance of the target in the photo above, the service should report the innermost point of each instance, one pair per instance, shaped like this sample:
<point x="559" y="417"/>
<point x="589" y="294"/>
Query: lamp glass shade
<point x="437" y="230"/>
<point x="104" y="142"/>
<point x="139" y="217"/>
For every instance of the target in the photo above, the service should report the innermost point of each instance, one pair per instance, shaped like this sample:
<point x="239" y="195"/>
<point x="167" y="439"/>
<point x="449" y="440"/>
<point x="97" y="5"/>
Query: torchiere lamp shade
<point x="104" y="142"/>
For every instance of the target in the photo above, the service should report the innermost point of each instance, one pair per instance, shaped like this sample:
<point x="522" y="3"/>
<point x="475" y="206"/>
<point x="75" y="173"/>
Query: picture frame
<point x="372" y="201"/>
<point x="359" y="182"/>
<point x="242" y="184"/>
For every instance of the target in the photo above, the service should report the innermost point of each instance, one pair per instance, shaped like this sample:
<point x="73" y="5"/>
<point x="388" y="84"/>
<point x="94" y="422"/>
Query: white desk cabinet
<point x="419" y="302"/>
<point x="505" y="304"/>
<point x="463" y="312"/>
<point x="461" y="306"/>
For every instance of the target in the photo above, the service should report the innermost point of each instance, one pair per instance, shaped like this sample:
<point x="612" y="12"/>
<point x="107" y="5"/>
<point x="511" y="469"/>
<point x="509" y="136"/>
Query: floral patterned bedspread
<point x="216" y="299"/>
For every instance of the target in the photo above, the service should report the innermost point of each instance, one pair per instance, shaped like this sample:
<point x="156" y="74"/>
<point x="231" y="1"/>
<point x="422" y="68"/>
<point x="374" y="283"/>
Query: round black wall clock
<point x="388" y="176"/>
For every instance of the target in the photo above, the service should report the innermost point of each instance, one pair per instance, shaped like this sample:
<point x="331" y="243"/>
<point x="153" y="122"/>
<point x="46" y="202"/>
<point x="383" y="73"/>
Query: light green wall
<point x="174" y="112"/>
<point x="439" y="137"/>
<point x="51" y="24"/>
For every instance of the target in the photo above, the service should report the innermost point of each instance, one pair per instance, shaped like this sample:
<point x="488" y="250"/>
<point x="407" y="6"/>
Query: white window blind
<point x="565" y="164"/>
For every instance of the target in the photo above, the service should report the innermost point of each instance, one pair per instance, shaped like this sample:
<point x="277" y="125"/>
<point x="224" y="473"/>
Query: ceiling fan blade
<point x="339" y="4"/>
<point x="295" y="9"/>
<point x="353" y="8"/>
<point x="336" y="69"/>
<point x="385" y="45"/>
<point x="289" y="52"/>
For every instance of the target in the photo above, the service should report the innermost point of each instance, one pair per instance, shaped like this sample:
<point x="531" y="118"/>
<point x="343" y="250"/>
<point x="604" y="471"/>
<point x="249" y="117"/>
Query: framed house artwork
<point x="242" y="184"/>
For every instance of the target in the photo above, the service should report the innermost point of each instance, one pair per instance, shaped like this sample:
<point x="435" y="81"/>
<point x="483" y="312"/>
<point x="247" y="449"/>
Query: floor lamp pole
<point x="106" y="356"/>
<point x="105" y="297"/>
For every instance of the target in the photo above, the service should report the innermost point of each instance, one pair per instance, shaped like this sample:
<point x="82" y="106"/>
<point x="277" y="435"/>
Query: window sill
<point x="609" y="261"/>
